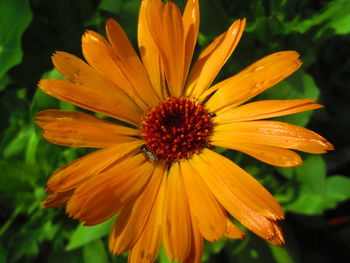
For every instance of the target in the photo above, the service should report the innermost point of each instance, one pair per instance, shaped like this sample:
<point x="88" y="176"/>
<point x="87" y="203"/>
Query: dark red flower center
<point x="176" y="129"/>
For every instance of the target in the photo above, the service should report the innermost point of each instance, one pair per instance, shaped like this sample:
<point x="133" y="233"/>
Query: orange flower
<point x="159" y="169"/>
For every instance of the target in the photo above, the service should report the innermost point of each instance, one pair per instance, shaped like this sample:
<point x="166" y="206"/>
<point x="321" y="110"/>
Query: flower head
<point x="160" y="171"/>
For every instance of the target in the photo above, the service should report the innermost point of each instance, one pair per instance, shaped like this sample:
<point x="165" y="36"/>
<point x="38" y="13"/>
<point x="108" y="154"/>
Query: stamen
<point x="176" y="129"/>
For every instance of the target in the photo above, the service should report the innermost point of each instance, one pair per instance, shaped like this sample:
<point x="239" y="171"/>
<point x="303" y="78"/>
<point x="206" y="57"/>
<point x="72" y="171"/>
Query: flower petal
<point x="229" y="191"/>
<point x="57" y="199"/>
<point x="253" y="80"/>
<point x="77" y="129"/>
<point x="132" y="218"/>
<point x="89" y="99"/>
<point x="100" y="197"/>
<point x="149" y="53"/>
<point x="191" y="26"/>
<point x="167" y="30"/>
<point x="79" y="72"/>
<point x="48" y="116"/>
<point x="146" y="247"/>
<point x="73" y="133"/>
<point x="207" y="212"/>
<point x="271" y="133"/>
<point x="130" y="63"/>
<point x="78" y="171"/>
<point x="211" y="60"/>
<point x="196" y="252"/>
<point x="233" y="231"/>
<point x="268" y="154"/>
<point x="265" y="109"/>
<point x="176" y="226"/>
<point x="102" y="58"/>
<point x="241" y="184"/>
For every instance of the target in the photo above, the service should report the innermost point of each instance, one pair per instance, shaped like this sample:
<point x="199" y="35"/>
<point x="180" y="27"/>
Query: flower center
<point x="176" y="129"/>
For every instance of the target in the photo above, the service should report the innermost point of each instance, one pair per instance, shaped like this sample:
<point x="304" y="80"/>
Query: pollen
<point x="177" y="128"/>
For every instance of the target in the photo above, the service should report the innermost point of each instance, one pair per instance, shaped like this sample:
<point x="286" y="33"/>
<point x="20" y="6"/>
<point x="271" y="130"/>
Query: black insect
<point x="212" y="114"/>
<point x="149" y="155"/>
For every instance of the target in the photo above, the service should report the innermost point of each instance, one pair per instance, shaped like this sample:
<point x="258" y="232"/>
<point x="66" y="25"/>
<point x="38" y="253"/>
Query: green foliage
<point x="310" y="191"/>
<point x="316" y="191"/>
<point x="95" y="252"/>
<point x="335" y="17"/>
<point x="15" y="18"/>
<point x="86" y="234"/>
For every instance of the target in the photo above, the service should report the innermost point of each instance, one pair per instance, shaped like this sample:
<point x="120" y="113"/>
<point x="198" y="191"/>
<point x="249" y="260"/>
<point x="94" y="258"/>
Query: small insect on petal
<point x="148" y="154"/>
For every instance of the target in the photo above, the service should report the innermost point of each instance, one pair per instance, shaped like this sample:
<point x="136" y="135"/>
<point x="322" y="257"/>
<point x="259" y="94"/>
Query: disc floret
<point x="177" y="128"/>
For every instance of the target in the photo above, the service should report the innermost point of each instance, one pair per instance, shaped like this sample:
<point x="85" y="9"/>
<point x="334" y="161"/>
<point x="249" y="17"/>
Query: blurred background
<point x="314" y="195"/>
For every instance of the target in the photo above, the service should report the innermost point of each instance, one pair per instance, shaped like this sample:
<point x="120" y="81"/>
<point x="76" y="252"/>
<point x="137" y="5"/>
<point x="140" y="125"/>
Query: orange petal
<point x="79" y="72"/>
<point x="207" y="212"/>
<point x="253" y="80"/>
<point x="211" y="60"/>
<point x="77" y="129"/>
<point x="132" y="219"/>
<point x="176" y="226"/>
<point x="233" y="231"/>
<point x="100" y="197"/>
<point x="146" y="247"/>
<point x="243" y="185"/>
<point x="102" y="58"/>
<point x="268" y="154"/>
<point x="167" y="30"/>
<point x="229" y="191"/>
<point x="149" y="53"/>
<point x="196" y="252"/>
<point x="89" y="99"/>
<point x="130" y="63"/>
<point x="48" y="116"/>
<point x="190" y="20"/>
<point x="271" y="133"/>
<point x="57" y="199"/>
<point x="265" y="109"/>
<point x="78" y="171"/>
<point x="73" y="133"/>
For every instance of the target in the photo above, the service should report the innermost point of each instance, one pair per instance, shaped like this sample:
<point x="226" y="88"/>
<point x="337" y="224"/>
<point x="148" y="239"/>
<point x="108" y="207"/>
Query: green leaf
<point x="255" y="250"/>
<point x="312" y="174"/>
<point x="4" y="81"/>
<point x="17" y="177"/>
<point x="337" y="190"/>
<point x="281" y="254"/>
<point x="16" y="142"/>
<point x="85" y="234"/>
<point x="95" y="252"/>
<point x="311" y="177"/>
<point x="111" y="6"/>
<point x="15" y="17"/>
<point x="298" y="86"/>
<point x="335" y="17"/>
<point x="3" y="254"/>
<point x="312" y="192"/>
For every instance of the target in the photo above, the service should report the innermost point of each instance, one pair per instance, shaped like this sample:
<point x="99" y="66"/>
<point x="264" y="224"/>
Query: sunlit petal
<point x="149" y="53"/>
<point x="265" y="109"/>
<point x="96" y="200"/>
<point x="253" y="80"/>
<point x="211" y="60"/>
<point x="132" y="218"/>
<point x="176" y="226"/>
<point x="89" y="99"/>
<point x="271" y="133"/>
<point x="207" y="212"/>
